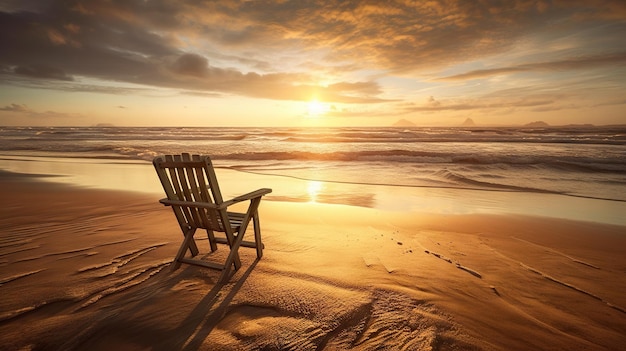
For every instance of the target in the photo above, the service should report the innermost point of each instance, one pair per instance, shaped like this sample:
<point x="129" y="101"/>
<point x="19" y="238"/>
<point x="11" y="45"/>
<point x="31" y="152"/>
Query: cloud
<point x="15" y="108"/>
<point x="433" y="103"/>
<point x="282" y="49"/>
<point x="40" y="71"/>
<point x="21" y="114"/>
<point x="570" y="64"/>
<point x="408" y="36"/>
<point x="191" y="65"/>
<point x="130" y="54"/>
<point x="478" y="104"/>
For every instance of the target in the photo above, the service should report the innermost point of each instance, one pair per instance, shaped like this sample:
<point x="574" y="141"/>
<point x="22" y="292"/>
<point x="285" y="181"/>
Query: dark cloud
<point x="191" y="65"/>
<point x="18" y="114"/>
<point x="107" y="42"/>
<point x="570" y="64"/>
<point x="15" y="108"/>
<point x="414" y="35"/>
<point x="40" y="71"/>
<point x="260" y="48"/>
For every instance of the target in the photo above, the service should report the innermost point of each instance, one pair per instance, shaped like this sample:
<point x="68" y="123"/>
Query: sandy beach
<point x="90" y="269"/>
<point x="435" y="175"/>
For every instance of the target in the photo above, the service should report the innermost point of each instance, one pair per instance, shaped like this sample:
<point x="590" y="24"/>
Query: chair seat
<point x="236" y="219"/>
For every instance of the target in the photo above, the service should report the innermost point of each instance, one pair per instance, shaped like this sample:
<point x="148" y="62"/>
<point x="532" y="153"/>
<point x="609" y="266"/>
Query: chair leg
<point x="212" y="241"/>
<point x="233" y="240"/>
<point x="193" y="248"/>
<point x="183" y="248"/>
<point x="236" y="260"/>
<point x="225" y="274"/>
<point x="257" y="235"/>
<point x="233" y="257"/>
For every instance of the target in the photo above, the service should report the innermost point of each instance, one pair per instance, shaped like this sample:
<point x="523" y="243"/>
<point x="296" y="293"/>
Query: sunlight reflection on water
<point x="313" y="189"/>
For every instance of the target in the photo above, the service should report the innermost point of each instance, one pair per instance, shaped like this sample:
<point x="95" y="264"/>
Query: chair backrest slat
<point x="177" y="177"/>
<point x="170" y="184"/>
<point x="192" y="191"/>
<point x="210" y="218"/>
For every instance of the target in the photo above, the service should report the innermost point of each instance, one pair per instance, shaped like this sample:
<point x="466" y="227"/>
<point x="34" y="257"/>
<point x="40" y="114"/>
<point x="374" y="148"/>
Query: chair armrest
<point x="249" y="196"/>
<point x="194" y="204"/>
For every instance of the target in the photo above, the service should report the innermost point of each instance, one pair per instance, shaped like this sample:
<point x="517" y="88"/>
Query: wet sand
<point x="90" y="269"/>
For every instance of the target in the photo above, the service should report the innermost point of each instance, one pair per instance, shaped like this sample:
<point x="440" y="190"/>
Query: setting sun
<point x="317" y="108"/>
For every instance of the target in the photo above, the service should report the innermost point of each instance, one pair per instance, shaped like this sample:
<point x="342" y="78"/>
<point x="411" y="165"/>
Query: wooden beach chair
<point x="193" y="193"/>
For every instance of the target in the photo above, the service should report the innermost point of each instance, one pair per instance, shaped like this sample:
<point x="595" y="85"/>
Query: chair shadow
<point x="199" y="324"/>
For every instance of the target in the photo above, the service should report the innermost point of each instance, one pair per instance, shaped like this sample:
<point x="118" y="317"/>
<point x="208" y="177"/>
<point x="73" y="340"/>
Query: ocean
<point x="571" y="162"/>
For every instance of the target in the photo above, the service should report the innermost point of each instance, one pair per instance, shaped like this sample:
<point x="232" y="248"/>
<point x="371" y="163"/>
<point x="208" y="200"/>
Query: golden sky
<point x="300" y="62"/>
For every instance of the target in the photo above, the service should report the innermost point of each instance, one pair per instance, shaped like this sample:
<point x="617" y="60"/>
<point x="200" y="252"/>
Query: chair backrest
<point x="191" y="178"/>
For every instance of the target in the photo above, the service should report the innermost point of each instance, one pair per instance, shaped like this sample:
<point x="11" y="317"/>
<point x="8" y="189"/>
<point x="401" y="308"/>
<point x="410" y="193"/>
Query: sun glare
<point x="317" y="108"/>
<point x="313" y="189"/>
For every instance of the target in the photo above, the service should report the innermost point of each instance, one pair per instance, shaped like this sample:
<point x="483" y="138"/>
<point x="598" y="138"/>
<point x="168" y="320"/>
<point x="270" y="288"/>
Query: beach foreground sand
<point x="90" y="269"/>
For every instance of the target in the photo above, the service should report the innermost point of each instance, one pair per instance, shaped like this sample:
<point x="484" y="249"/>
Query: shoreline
<point x="89" y="268"/>
<point x="139" y="176"/>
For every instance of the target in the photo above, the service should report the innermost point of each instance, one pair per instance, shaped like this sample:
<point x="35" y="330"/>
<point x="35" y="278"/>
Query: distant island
<point x="468" y="123"/>
<point x="404" y="123"/>
<point x="537" y="124"/>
